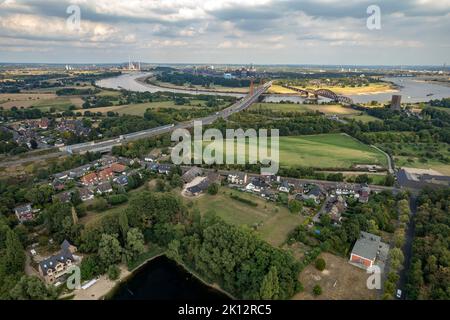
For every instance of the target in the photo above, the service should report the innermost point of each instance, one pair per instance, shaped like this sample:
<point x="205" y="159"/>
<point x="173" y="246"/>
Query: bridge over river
<point x="321" y="93"/>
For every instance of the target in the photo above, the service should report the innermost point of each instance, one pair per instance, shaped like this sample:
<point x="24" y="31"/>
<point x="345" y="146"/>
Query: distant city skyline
<point x="263" y="32"/>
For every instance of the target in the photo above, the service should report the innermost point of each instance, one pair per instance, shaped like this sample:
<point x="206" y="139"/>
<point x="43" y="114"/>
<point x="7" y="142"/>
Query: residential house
<point x="336" y="208"/>
<point x="164" y="168"/>
<point x="284" y="187"/>
<point x="104" y="188"/>
<point x="366" y="250"/>
<point x="122" y="180"/>
<point x="118" y="168"/>
<point x="85" y="194"/>
<point x="315" y="194"/>
<point x="56" y="266"/>
<point x="64" y="197"/>
<point x="257" y="185"/>
<point x="58" y="185"/>
<point x="364" y="194"/>
<point x="80" y="171"/>
<point x="203" y="185"/>
<point x="269" y="195"/>
<point x="89" y="179"/>
<point x="199" y="188"/>
<point x="61" y="176"/>
<point x="191" y="174"/>
<point x="24" y="213"/>
<point x="106" y="174"/>
<point x="239" y="178"/>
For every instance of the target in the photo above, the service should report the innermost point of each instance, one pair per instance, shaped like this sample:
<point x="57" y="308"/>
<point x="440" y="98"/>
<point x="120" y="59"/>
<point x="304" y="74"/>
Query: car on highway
<point x="399" y="294"/>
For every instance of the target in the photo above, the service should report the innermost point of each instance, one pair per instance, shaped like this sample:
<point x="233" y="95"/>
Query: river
<point x="411" y="89"/>
<point x="163" y="279"/>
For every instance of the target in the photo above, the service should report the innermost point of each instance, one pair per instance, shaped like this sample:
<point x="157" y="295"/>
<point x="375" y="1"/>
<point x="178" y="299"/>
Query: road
<point x="389" y="159"/>
<point x="407" y="248"/>
<point x="106" y="146"/>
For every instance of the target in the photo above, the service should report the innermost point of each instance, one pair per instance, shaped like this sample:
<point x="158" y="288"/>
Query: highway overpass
<point x="106" y="146"/>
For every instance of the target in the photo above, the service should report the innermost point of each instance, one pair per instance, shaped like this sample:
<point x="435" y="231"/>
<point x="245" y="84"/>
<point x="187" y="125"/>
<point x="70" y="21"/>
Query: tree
<point x="270" y="286"/>
<point x="176" y="181"/>
<point x="213" y="189"/>
<point x="90" y="267"/>
<point x="109" y="250"/>
<point x="317" y="290"/>
<point x="134" y="244"/>
<point x="397" y="258"/>
<point x="32" y="288"/>
<point x="320" y="264"/>
<point x="113" y="272"/>
<point x="14" y="255"/>
<point x="123" y="223"/>
<point x="295" y="206"/>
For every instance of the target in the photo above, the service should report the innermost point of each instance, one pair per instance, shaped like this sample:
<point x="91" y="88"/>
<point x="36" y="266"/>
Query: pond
<point x="163" y="279"/>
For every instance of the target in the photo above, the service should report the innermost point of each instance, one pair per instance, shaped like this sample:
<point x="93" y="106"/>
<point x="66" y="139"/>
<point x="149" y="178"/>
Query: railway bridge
<point x="321" y="93"/>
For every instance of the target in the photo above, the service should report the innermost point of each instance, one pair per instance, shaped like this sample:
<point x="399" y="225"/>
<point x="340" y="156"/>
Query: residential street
<point x="407" y="249"/>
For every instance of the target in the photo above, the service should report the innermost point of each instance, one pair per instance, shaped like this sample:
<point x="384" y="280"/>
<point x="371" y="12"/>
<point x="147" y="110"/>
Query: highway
<point x="106" y="146"/>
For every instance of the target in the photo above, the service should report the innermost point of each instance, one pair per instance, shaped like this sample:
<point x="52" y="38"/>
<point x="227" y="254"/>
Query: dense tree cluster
<point x="429" y="276"/>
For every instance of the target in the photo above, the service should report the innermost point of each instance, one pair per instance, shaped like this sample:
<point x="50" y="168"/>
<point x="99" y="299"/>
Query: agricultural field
<point x="327" y="151"/>
<point x="275" y="222"/>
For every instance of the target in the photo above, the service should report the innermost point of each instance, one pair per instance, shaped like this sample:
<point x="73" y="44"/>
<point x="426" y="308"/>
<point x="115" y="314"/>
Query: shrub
<point x="321" y="264"/>
<point x="113" y="272"/>
<point x="317" y="291"/>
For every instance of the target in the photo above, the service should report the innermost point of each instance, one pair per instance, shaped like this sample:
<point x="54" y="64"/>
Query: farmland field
<point x="276" y="222"/>
<point x="336" y="151"/>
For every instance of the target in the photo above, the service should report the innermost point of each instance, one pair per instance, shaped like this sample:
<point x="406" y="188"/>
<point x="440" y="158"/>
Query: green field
<point x="420" y="155"/>
<point x="327" y="151"/>
<point x="275" y="222"/>
<point x="59" y="104"/>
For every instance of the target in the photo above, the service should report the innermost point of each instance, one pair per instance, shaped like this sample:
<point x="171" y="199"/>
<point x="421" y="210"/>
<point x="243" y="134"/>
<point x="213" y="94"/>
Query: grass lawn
<point x="420" y="155"/>
<point x="60" y="104"/>
<point x="327" y="151"/>
<point x="363" y="117"/>
<point x="276" y="221"/>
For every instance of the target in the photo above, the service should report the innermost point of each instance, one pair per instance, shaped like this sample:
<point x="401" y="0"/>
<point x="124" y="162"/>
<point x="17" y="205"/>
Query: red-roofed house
<point x="89" y="179"/>
<point x="106" y="174"/>
<point x="118" y="168"/>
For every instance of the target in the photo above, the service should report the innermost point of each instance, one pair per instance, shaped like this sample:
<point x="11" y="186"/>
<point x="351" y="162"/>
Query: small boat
<point x="430" y="94"/>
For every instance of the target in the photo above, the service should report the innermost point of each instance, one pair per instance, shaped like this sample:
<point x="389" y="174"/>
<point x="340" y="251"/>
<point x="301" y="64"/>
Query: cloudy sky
<point x="412" y="32"/>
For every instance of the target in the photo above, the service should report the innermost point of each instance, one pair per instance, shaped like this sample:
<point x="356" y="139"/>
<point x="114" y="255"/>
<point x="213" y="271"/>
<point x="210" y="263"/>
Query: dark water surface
<point x="163" y="279"/>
